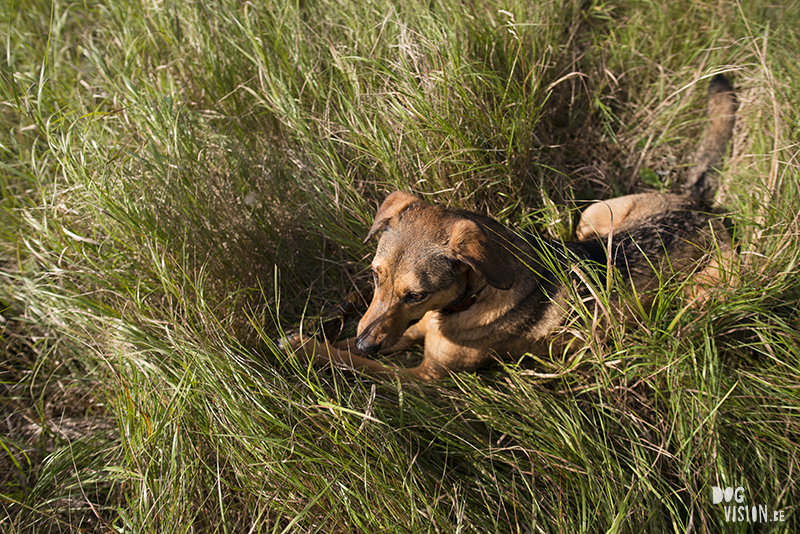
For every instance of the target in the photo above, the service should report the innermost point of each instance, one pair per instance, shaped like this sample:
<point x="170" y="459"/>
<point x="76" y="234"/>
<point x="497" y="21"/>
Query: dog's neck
<point x="468" y="297"/>
<point x="462" y="305"/>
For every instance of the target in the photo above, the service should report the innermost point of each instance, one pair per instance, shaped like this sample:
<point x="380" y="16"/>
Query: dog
<point x="469" y="289"/>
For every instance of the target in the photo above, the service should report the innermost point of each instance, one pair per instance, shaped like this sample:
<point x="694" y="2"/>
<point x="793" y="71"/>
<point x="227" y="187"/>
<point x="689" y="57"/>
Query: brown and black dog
<point x="469" y="288"/>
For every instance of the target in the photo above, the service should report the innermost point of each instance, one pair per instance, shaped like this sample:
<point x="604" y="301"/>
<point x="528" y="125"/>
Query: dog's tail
<point x="701" y="180"/>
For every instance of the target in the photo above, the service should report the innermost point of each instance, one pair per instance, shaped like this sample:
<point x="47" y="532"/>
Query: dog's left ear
<point x="394" y="204"/>
<point x="470" y="244"/>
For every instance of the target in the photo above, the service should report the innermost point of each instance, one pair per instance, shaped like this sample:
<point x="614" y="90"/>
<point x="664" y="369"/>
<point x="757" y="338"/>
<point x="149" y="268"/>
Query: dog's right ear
<point x="393" y="206"/>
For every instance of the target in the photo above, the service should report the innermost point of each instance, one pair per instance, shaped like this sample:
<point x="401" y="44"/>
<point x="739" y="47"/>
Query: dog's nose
<point x="367" y="347"/>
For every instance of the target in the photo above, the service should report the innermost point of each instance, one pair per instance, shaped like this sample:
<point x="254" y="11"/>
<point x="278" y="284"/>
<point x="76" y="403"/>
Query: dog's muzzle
<point x="366" y="347"/>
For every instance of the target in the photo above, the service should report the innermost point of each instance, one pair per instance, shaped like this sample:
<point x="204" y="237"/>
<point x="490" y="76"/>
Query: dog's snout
<point x="366" y="346"/>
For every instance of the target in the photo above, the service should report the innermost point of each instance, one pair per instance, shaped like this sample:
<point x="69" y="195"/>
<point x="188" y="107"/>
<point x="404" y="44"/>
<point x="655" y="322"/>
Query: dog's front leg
<point x="345" y="356"/>
<point x="345" y="353"/>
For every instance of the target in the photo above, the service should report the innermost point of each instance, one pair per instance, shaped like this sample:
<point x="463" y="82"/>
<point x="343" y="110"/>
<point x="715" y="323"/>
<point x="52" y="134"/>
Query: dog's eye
<point x="414" y="297"/>
<point x="375" y="279"/>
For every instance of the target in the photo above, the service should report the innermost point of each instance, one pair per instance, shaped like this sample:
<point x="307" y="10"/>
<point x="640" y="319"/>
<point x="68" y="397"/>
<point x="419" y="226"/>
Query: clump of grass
<point x="181" y="181"/>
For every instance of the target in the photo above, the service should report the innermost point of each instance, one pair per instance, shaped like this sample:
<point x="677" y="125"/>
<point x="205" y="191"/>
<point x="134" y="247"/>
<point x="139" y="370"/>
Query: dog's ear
<point x="487" y="255"/>
<point x="394" y="204"/>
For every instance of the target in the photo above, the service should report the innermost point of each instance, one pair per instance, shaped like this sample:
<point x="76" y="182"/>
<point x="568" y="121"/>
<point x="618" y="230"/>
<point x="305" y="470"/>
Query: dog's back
<point x="653" y="236"/>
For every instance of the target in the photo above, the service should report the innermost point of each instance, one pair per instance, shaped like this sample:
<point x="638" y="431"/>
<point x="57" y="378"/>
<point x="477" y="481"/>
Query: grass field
<point x="180" y="181"/>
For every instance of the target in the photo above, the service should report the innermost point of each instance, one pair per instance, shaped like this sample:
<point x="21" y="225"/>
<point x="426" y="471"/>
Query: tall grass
<point x="181" y="181"/>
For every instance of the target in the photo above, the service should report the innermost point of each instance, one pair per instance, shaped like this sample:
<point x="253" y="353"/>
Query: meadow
<point x="181" y="182"/>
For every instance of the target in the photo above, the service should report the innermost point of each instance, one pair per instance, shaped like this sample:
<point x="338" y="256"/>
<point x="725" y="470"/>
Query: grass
<point x="183" y="180"/>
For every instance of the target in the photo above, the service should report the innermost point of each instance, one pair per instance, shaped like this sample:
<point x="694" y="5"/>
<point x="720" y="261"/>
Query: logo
<point x="738" y="512"/>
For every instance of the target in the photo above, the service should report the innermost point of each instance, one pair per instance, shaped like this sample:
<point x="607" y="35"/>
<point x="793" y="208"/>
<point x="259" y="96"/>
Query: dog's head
<point x="428" y="257"/>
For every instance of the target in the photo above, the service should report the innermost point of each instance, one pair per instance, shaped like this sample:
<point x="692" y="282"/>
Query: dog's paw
<point x="291" y="341"/>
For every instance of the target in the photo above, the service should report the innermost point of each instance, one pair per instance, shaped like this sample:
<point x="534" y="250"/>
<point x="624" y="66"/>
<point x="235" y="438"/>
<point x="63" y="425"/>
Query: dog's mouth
<point x="367" y="346"/>
<point x="367" y="342"/>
